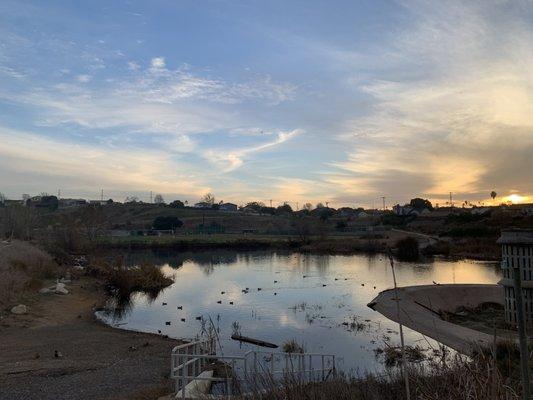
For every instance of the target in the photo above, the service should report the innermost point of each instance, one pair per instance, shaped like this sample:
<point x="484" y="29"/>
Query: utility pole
<point x="58" y="193"/>
<point x="451" y="200"/>
<point x="524" y="353"/>
<point x="270" y="203"/>
<point x="384" y="208"/>
<point x="151" y="201"/>
<point x="102" y="195"/>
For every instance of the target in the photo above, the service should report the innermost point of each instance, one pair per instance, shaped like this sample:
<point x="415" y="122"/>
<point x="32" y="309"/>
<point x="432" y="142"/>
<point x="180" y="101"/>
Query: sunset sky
<point x="338" y="101"/>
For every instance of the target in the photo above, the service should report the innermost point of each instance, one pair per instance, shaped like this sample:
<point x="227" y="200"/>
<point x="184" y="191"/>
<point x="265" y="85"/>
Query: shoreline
<point x="95" y="360"/>
<point x="332" y="245"/>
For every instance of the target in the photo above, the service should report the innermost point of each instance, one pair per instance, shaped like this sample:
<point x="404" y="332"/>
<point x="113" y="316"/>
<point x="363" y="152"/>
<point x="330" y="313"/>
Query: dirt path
<point x="96" y="362"/>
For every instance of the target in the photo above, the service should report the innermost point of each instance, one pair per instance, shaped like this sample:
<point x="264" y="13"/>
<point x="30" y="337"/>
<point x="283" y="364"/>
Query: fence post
<point x="524" y="354"/>
<point x="402" y="343"/>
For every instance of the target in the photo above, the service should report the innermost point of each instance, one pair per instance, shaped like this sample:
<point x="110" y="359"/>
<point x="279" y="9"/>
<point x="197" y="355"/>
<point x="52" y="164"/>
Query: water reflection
<point x="318" y="300"/>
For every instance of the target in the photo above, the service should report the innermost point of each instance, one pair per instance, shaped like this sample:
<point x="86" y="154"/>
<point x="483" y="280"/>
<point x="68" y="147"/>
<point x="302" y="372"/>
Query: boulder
<point x="20" y="309"/>
<point x="60" y="288"/>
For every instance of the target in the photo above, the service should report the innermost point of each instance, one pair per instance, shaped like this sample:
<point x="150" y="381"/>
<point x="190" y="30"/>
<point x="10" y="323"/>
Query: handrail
<point x="188" y="360"/>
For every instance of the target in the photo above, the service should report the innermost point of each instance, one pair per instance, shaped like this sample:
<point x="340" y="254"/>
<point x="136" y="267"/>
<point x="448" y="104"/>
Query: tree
<point x="284" y="209"/>
<point x="493" y="194"/>
<point x="177" y="204"/>
<point x="131" y="199"/>
<point x="158" y="199"/>
<point x="308" y="206"/>
<point x="208" y="198"/>
<point x="165" y="223"/>
<point x="419" y="203"/>
<point x="320" y="205"/>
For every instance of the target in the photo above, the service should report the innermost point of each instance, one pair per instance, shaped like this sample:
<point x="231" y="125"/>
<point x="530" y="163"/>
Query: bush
<point x="167" y="223"/>
<point x="124" y="280"/>
<point x="407" y="249"/>
<point x="22" y="269"/>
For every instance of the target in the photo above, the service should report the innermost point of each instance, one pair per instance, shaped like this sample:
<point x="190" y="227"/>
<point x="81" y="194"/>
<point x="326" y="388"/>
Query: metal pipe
<point x="524" y="354"/>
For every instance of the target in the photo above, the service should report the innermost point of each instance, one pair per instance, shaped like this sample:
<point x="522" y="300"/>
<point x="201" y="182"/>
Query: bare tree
<point x="158" y="199"/>
<point x="18" y="222"/>
<point x="208" y="198"/>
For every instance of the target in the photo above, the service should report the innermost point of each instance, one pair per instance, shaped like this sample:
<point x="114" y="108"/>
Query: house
<point x="408" y="210"/>
<point x="100" y="202"/>
<point x="228" y="207"/>
<point x="71" y="203"/>
<point x="480" y="210"/>
<point x="8" y="203"/>
<point x="203" y="205"/>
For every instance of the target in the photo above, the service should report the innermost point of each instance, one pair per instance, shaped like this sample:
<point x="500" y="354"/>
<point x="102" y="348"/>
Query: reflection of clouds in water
<point x="268" y="316"/>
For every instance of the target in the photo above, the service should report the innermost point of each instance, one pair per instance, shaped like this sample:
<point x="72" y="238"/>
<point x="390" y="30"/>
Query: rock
<point x="20" y="309"/>
<point x="65" y="280"/>
<point x="60" y="288"/>
<point x="45" y="290"/>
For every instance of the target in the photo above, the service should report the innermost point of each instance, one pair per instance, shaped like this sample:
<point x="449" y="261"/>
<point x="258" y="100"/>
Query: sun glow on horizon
<point x="516" y="198"/>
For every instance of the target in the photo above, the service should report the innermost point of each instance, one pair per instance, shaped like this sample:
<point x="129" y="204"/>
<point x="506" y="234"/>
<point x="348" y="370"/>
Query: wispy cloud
<point x="232" y="159"/>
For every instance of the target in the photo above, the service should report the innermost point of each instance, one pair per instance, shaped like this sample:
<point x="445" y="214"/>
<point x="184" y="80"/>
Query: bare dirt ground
<point x="95" y="361"/>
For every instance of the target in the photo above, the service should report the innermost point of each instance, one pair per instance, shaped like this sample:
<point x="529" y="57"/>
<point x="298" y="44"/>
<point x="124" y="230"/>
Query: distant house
<point x="203" y="205"/>
<point x="480" y="210"/>
<point x="100" y="202"/>
<point x="228" y="207"/>
<point x="71" y="203"/>
<point x="347" y="212"/>
<point x="8" y="203"/>
<point x="408" y="210"/>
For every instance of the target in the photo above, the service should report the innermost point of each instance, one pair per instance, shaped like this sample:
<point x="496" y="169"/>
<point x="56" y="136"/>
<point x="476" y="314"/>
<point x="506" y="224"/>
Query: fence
<point x="252" y="368"/>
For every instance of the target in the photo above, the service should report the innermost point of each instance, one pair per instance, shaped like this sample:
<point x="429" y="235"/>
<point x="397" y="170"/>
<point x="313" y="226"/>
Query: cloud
<point x="132" y="65"/>
<point x="158" y="62"/>
<point x="461" y="123"/>
<point x="86" y="165"/>
<point x="229" y="160"/>
<point x="83" y="78"/>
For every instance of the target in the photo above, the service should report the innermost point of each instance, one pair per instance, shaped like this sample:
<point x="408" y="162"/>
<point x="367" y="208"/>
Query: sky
<point x="322" y="101"/>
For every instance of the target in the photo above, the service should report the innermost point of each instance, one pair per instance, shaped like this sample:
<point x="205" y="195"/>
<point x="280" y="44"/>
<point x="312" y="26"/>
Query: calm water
<point x="287" y="299"/>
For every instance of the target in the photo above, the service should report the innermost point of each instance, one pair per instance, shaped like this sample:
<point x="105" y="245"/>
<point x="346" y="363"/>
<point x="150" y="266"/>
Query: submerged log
<point x="254" y="341"/>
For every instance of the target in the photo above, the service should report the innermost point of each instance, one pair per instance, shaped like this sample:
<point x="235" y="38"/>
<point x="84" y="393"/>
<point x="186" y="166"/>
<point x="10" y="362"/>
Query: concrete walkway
<point x="420" y="305"/>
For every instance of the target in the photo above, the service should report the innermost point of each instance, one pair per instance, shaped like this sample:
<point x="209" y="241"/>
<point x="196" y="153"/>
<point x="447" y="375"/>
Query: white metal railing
<point x="190" y="359"/>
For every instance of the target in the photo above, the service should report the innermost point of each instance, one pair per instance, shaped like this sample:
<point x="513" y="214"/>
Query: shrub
<point x="124" y="280"/>
<point x="292" y="346"/>
<point x="22" y="269"/>
<point x="407" y="249"/>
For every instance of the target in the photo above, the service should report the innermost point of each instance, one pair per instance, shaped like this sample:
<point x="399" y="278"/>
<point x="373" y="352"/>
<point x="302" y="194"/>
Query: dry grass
<point x="23" y="267"/>
<point x="124" y="280"/>
<point x="292" y="346"/>
<point x="456" y="380"/>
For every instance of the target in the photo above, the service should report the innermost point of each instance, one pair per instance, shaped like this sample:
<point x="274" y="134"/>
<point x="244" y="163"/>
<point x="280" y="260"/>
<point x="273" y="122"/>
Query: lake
<point x="311" y="298"/>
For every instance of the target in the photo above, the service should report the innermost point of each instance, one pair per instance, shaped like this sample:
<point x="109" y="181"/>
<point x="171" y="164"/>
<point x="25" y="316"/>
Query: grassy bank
<point x="340" y="244"/>
<point x="459" y="379"/>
